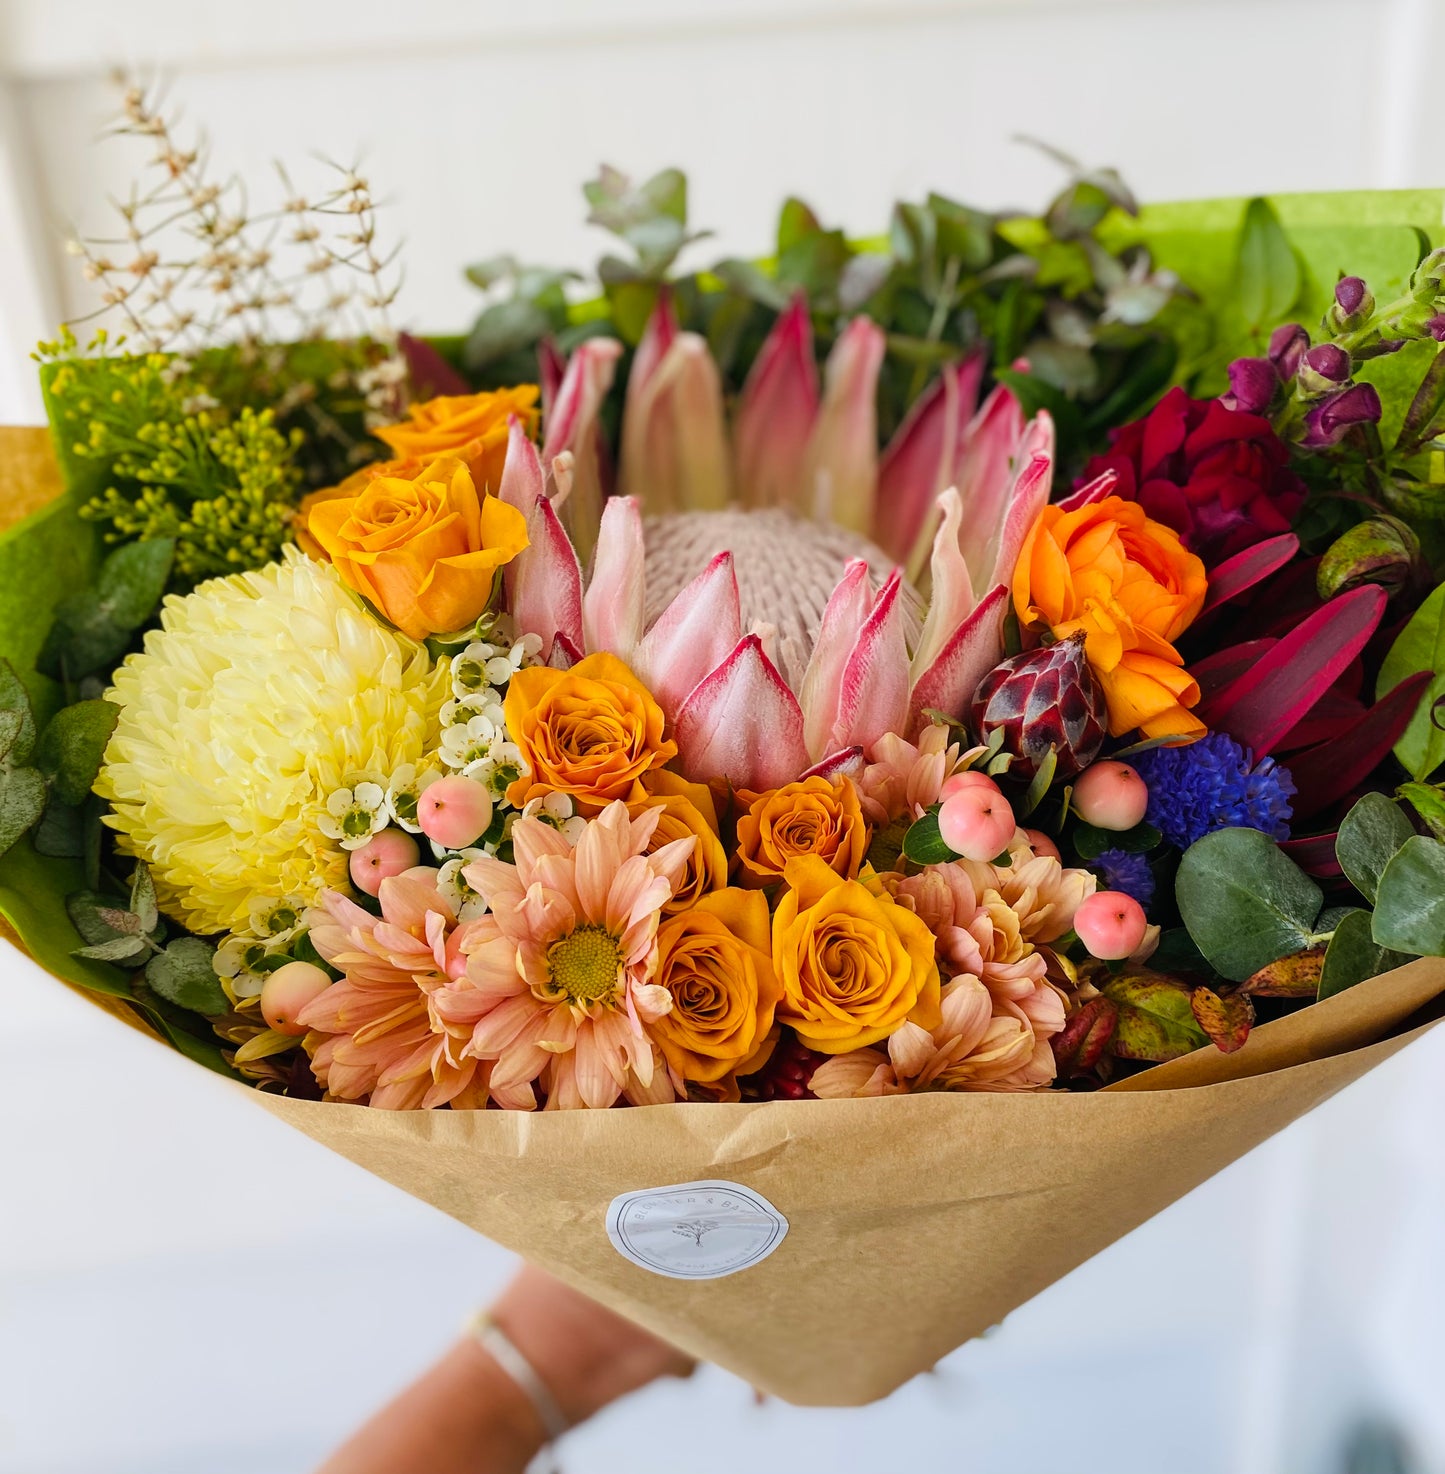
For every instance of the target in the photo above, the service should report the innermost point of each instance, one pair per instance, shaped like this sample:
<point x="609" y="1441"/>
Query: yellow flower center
<point x="585" y="964"/>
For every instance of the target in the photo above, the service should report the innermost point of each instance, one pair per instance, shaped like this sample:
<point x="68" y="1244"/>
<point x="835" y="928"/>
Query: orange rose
<point x="591" y="732"/>
<point x="471" y="427"/>
<point x="425" y="550"/>
<point x="346" y="490"/>
<point x="853" y="964"/>
<point x="716" y="962"/>
<point x="1130" y="585"/>
<point x="814" y="816"/>
<point x="685" y="809"/>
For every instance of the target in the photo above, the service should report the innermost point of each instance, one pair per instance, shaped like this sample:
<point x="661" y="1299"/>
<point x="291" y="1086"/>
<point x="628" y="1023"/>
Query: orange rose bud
<point x="686" y="809"/>
<point x="814" y="816"/>
<point x="852" y="962"/>
<point x="471" y="427"/>
<point x="424" y="549"/>
<point x="1130" y="586"/>
<point x="716" y="962"/>
<point x="592" y="732"/>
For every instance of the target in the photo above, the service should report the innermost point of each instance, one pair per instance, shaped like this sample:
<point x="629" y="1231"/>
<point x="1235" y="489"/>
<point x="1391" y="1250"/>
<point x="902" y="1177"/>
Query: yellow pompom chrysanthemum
<point x="260" y="695"/>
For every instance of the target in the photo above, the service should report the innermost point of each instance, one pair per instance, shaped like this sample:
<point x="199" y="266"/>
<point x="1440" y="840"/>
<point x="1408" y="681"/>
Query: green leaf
<point x="22" y="802"/>
<point x="1398" y="379"/>
<point x="749" y="280"/>
<point x="61" y="832"/>
<point x="1041" y="782"/>
<point x="93" y="628"/>
<point x="796" y="222"/>
<point x="15" y="704"/>
<point x="1410" y="908"/>
<point x="117" y="949"/>
<point x="1156" y="1018"/>
<point x="502" y="329"/>
<point x="632" y="304"/>
<point x="1091" y="842"/>
<point x="1369" y="836"/>
<point x="1420" y="646"/>
<point x="1269" y="274"/>
<point x="1422" y="416"/>
<point x="183" y="975"/>
<point x="1428" y="800"/>
<point x="1245" y="902"/>
<point x="924" y="845"/>
<point x="1353" y="955"/>
<point x="143" y="899"/>
<point x="72" y="746"/>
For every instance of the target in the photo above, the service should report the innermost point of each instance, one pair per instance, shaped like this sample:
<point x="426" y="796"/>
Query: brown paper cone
<point x="915" y="1222"/>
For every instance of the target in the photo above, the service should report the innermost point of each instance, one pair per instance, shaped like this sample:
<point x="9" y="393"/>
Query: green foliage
<point x="1420" y="646"/>
<point x="1353" y="955"/>
<point x="1156" y="1018"/>
<point x="22" y="787"/>
<point x="1370" y="834"/>
<point x="1269" y="272"/>
<point x="70" y="750"/>
<point x="183" y="975"/>
<point x="1245" y="902"/>
<point x="93" y="628"/>
<point x="923" y="844"/>
<point x="1410" y="906"/>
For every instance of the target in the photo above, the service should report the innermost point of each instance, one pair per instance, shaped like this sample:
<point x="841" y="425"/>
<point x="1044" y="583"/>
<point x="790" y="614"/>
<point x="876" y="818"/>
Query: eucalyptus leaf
<point x="1369" y="836"/>
<point x="1245" y="902"/>
<point x="15" y="703"/>
<point x="93" y="915"/>
<point x="502" y="329"/>
<point x="1420" y="646"/>
<point x="1268" y="283"/>
<point x="61" y="832"/>
<point x="117" y="949"/>
<point x="1353" y="955"/>
<point x="93" y="628"/>
<point x="143" y="899"/>
<point x="183" y="975"/>
<point x="1410" y="907"/>
<point x="72" y="747"/>
<point x="22" y="802"/>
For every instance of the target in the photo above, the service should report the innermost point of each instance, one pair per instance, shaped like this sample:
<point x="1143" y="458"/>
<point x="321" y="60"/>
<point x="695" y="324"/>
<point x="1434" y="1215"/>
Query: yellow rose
<point x="471" y="427"/>
<point x="591" y="732"/>
<point x="715" y="962"/>
<point x="685" y="809"/>
<point x="424" y="549"/>
<point x="349" y="489"/>
<point x="814" y="816"/>
<point x="853" y="964"/>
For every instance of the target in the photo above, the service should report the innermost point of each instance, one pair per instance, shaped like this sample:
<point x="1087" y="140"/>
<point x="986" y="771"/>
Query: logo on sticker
<point x="695" y="1230"/>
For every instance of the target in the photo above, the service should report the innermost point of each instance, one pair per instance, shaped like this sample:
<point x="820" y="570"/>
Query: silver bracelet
<point x="503" y="1350"/>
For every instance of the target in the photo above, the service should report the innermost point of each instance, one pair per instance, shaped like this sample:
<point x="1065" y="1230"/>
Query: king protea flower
<point x="775" y="643"/>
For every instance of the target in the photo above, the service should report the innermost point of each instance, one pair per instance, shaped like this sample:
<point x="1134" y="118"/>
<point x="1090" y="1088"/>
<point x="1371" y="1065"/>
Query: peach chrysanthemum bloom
<point x="901" y="778"/>
<point x="383" y="1038"/>
<point x="558" y="977"/>
<point x="998" y="1009"/>
<point x="1043" y="892"/>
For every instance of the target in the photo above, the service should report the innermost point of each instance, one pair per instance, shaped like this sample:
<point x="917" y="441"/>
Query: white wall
<point x="183" y="1284"/>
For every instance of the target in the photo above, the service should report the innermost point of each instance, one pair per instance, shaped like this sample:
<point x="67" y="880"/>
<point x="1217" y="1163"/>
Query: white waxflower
<point x="464" y="744"/>
<point x="354" y="814"/>
<point x="276" y="921"/>
<point x="237" y="962"/>
<point x="407" y="785"/>
<point x="453" y="886"/>
<point x="556" y="809"/>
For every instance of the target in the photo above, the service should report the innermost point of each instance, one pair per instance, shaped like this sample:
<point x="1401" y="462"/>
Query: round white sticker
<point x="696" y="1230"/>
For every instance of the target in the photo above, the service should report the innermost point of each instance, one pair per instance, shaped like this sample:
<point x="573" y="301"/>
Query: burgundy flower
<point x="1219" y="477"/>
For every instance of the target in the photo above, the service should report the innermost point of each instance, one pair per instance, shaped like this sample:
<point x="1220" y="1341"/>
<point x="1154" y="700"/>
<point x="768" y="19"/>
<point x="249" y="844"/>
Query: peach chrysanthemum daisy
<point x="901" y="778"/>
<point x="998" y="1008"/>
<point x="382" y="1039"/>
<point x="1041" y="891"/>
<point x="558" y="977"/>
<point x="260" y="695"/>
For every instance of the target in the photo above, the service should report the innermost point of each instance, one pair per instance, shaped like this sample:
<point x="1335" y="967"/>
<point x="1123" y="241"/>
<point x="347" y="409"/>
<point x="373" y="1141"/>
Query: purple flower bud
<point x="1286" y="347"/>
<point x="1327" y="422"/>
<point x="1350" y="292"/>
<point x="1252" y="382"/>
<point x="1329" y="361"/>
<point x="1436" y="327"/>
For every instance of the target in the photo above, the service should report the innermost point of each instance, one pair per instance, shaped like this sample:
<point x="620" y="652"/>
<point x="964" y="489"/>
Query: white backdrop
<point x="186" y="1286"/>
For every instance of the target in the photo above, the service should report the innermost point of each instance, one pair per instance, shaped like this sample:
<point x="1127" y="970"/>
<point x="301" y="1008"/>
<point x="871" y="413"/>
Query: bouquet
<point x="896" y="718"/>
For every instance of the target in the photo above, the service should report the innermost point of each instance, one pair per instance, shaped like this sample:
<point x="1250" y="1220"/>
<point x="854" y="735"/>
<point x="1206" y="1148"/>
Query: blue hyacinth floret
<point x="1119" y="870"/>
<point x="1214" y="784"/>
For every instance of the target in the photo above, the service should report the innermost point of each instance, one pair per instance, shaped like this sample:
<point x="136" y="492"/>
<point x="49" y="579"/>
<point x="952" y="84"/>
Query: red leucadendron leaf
<point x="1216" y="671"/>
<point x="1258" y="707"/>
<point x="1315" y="854"/>
<point x="1328" y="771"/>
<point x="1239" y="574"/>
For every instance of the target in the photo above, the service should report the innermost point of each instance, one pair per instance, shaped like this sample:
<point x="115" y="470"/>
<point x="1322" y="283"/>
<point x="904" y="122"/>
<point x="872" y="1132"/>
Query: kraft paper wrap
<point x="914" y="1222"/>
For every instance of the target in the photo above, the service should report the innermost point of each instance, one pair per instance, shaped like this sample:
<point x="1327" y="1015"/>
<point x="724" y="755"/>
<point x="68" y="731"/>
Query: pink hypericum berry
<point x="455" y="812"/>
<point x="382" y="856"/>
<point x="1111" y="925"/>
<point x="287" y="991"/>
<point x="1110" y="795"/>
<point x="1042" y="845"/>
<point x="976" y="822"/>
<point x="969" y="778"/>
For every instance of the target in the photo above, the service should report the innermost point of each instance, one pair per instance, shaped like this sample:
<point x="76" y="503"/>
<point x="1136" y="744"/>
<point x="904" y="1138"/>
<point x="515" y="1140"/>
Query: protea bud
<point x="1041" y="699"/>
<point x="1382" y="550"/>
